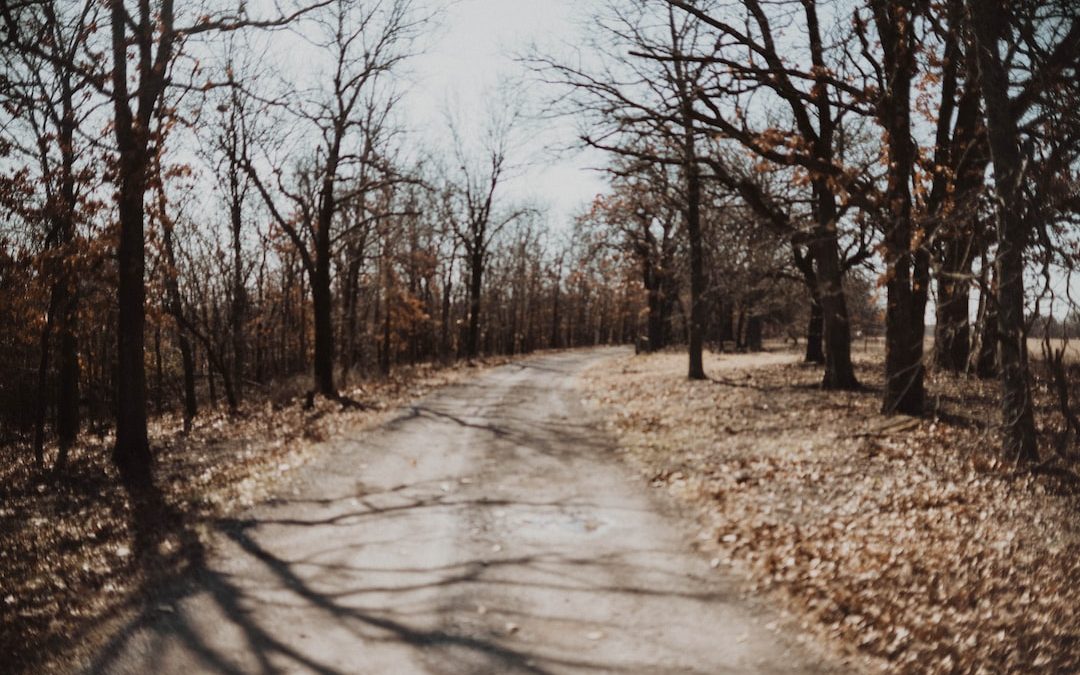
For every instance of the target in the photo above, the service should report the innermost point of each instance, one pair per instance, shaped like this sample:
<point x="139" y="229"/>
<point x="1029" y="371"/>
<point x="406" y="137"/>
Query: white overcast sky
<point x="471" y="49"/>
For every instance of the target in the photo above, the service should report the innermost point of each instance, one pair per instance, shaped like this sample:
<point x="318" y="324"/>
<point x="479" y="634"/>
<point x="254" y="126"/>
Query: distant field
<point x="1072" y="350"/>
<point x="1035" y="348"/>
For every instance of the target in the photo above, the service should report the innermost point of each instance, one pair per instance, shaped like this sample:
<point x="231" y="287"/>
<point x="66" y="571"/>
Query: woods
<point x="216" y="208"/>
<point x="880" y="140"/>
<point x="222" y="271"/>
<point x="892" y="145"/>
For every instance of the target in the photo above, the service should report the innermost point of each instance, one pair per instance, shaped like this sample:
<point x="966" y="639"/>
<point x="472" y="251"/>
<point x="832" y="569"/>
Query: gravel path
<point x="487" y="529"/>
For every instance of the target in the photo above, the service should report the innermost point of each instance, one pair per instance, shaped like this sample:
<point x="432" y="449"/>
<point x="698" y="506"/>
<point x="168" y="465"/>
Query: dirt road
<point x="487" y="529"/>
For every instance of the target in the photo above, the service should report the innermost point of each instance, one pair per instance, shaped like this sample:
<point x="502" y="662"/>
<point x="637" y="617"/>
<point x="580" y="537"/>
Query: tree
<point x="906" y="308"/>
<point x="748" y="63"/>
<point x="49" y="96"/>
<point x="641" y="104"/>
<point x="364" y="43"/>
<point x="474" y="215"/>
<point x="235" y="131"/>
<point x="137" y="101"/>
<point x="644" y="209"/>
<point x="1028" y="152"/>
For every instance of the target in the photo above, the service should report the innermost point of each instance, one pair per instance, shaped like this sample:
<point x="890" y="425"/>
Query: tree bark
<point x="1018" y="420"/>
<point x="131" y="453"/>
<point x="41" y="404"/>
<point x="444" y="327"/>
<point x="692" y="214"/>
<point x="825" y="251"/>
<point x="754" y="330"/>
<point x="815" y="328"/>
<point x="814" y="332"/>
<point x="905" y="310"/>
<point x="556" y="319"/>
<point x="132" y="450"/>
<point x="239" y="292"/>
<point x="984" y="361"/>
<point x="322" y="306"/>
<point x="952" y="333"/>
<point x="187" y="360"/>
<point x="67" y="405"/>
<point x="476" y="271"/>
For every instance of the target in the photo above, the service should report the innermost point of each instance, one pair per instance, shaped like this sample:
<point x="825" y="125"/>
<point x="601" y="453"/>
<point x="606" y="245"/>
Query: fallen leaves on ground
<point x="909" y="541"/>
<point x="66" y="563"/>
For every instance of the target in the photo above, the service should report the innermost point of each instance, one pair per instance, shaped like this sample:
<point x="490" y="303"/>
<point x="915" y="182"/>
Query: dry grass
<point x="907" y="542"/>
<point x="1071" y="347"/>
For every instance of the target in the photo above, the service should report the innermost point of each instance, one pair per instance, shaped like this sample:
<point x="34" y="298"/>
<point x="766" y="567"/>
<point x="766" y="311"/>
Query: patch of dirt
<point x="908" y="541"/>
<point x="66" y="555"/>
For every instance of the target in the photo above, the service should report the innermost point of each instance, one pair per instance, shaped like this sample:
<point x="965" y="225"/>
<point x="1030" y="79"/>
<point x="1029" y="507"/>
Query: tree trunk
<point x="42" y="402"/>
<point x="444" y="328"/>
<point x="187" y="360"/>
<point x="239" y="292"/>
<point x="175" y="307"/>
<point x="825" y="251"/>
<point x="754" y="329"/>
<point x="740" y="329"/>
<point x="210" y="383"/>
<point x="319" y="268"/>
<point x="67" y="406"/>
<point x="352" y="298"/>
<point x="131" y="453"/>
<point x="952" y="334"/>
<point x="696" y="370"/>
<point x="132" y="450"/>
<point x="814" y="331"/>
<point x="907" y="272"/>
<point x="1018" y="419"/>
<point x="556" y="320"/>
<point x="816" y="325"/>
<point x="476" y="270"/>
<point x="159" y="374"/>
<point x="654" y="320"/>
<point x="387" y="350"/>
<point x="324" y="330"/>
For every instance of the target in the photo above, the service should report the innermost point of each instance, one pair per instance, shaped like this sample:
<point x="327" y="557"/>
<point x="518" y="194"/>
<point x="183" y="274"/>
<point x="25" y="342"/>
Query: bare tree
<point x="476" y="217"/>
<point x="1027" y="154"/>
<point x="788" y="116"/>
<point x="365" y="43"/>
<point x="640" y="102"/>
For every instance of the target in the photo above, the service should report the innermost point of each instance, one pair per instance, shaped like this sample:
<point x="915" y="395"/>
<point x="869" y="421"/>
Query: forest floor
<point x="66" y="561"/>
<point x="908" y="541"/>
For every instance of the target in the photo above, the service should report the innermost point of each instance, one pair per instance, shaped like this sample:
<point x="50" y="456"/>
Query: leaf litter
<point x="907" y="543"/>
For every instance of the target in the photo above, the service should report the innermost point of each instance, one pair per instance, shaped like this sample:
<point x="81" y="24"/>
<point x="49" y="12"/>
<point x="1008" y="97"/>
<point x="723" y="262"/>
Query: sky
<point x="474" y="47"/>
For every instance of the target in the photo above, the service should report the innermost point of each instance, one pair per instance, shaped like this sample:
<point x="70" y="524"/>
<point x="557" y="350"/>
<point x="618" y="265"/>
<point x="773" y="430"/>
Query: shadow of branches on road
<point x="193" y="610"/>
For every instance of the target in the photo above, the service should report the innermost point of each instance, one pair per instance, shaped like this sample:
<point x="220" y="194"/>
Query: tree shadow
<point x="246" y="611"/>
<point x="178" y="614"/>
